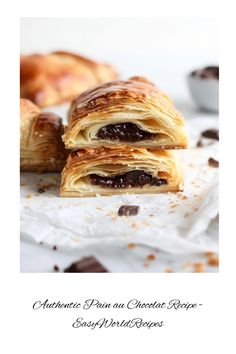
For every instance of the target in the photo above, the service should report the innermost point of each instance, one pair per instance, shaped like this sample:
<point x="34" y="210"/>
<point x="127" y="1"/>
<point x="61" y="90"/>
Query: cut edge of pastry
<point x="108" y="105"/>
<point x="74" y="163"/>
<point x="38" y="132"/>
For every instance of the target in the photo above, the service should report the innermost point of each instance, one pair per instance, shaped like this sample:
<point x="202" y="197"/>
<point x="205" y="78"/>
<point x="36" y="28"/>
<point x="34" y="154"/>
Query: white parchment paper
<point x="175" y="222"/>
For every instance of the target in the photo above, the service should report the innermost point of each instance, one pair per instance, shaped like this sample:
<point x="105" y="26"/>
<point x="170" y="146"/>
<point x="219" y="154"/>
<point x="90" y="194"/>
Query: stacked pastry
<point x="122" y="135"/>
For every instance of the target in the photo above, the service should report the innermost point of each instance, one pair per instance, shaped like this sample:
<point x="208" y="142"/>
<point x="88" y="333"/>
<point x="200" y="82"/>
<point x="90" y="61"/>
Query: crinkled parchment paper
<point x="173" y="222"/>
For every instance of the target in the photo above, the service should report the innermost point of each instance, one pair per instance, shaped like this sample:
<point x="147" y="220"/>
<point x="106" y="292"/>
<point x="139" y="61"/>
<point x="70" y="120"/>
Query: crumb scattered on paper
<point x="151" y="257"/>
<point x="131" y="245"/>
<point x="168" y="270"/>
<point x="199" y="267"/>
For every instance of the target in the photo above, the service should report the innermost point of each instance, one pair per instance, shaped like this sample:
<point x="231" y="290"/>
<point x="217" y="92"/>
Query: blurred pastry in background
<point x="60" y="76"/>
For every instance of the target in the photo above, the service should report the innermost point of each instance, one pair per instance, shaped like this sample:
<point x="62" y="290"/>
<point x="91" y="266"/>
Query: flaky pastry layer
<point x="41" y="146"/>
<point x="111" y="162"/>
<point x="135" y="101"/>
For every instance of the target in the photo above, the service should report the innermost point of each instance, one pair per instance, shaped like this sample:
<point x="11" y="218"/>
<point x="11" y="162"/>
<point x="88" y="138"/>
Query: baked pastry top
<point x="41" y="146"/>
<point x="60" y="76"/>
<point x="119" y="113"/>
<point x="109" y="171"/>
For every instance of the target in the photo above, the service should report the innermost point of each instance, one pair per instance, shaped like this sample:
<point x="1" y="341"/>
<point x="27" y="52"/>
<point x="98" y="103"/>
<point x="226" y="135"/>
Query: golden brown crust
<point x="136" y="101"/>
<point x="41" y="146"/>
<point x="27" y="107"/>
<point x="59" y="76"/>
<point x="116" y="161"/>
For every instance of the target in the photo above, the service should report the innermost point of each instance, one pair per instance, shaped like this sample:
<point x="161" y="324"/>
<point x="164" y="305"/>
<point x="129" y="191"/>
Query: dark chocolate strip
<point x="124" y="132"/>
<point x="136" y="178"/>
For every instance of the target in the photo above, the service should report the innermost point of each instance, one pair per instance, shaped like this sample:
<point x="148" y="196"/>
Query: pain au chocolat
<point x="60" y="76"/>
<point x="109" y="171"/>
<point x="120" y="113"/>
<point x="41" y="146"/>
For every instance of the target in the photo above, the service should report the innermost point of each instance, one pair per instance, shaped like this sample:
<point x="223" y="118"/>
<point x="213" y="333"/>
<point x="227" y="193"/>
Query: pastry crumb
<point x="168" y="270"/>
<point x="174" y="205"/>
<point x="184" y="197"/>
<point x="131" y="245"/>
<point x="213" y="260"/>
<point x="199" y="267"/>
<point x="151" y="257"/>
<point x="209" y="254"/>
<point x="29" y="196"/>
<point x="146" y="265"/>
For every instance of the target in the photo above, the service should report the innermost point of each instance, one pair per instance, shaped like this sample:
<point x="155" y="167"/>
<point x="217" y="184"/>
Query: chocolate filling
<point x="137" y="178"/>
<point x="124" y="132"/>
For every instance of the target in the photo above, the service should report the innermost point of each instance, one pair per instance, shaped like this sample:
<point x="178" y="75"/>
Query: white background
<point x="164" y="50"/>
<point x="213" y="329"/>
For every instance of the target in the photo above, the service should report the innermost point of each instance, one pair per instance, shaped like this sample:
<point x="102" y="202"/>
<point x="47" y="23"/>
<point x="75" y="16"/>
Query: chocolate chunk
<point x="41" y="190"/>
<point x="124" y="132"/>
<point x="56" y="268"/>
<point x="86" y="265"/>
<point x="128" y="210"/>
<point x="54" y="248"/>
<point x="136" y="178"/>
<point x="199" y="143"/>
<point x="211" y="134"/>
<point x="213" y="163"/>
<point x="209" y="72"/>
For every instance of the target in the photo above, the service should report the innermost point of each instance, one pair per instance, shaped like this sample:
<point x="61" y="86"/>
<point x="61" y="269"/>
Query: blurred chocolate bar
<point x="86" y="265"/>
